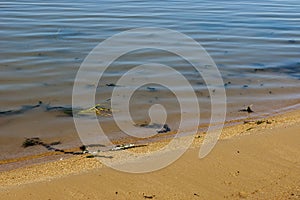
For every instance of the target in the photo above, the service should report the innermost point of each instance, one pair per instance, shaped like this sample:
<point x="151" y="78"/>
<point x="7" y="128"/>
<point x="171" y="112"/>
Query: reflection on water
<point x="255" y="44"/>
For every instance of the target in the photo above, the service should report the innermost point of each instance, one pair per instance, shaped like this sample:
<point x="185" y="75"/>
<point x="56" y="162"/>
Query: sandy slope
<point x="261" y="165"/>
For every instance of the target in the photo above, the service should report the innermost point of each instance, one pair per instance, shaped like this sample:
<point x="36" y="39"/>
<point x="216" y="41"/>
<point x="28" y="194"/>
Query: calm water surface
<point x="255" y="44"/>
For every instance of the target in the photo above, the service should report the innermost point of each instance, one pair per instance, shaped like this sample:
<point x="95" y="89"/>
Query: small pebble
<point x="292" y="41"/>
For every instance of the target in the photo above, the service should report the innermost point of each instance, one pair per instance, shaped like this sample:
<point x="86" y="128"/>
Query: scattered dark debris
<point x="259" y="69"/>
<point x="165" y="129"/>
<point x="59" y="108"/>
<point x="126" y="146"/>
<point x="98" y="109"/>
<point x="111" y="85"/>
<point x="228" y="83"/>
<point x="292" y="41"/>
<point x="37" y="141"/>
<point x="31" y="142"/>
<point x="248" y="109"/>
<point x="147" y="125"/>
<point x="148" y="196"/>
<point x="258" y="122"/>
<point x="22" y="110"/>
<point x="197" y="195"/>
<point x="55" y="143"/>
<point x="67" y="110"/>
<point x="82" y="148"/>
<point x="151" y="89"/>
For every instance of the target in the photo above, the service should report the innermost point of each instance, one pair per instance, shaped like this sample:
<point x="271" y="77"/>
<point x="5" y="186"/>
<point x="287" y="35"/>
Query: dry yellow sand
<point x="261" y="161"/>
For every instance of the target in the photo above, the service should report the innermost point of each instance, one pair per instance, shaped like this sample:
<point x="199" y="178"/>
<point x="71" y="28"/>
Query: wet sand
<point x="42" y="53"/>
<point x="256" y="160"/>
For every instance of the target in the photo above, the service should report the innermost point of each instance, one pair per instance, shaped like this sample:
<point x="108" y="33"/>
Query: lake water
<point x="255" y="44"/>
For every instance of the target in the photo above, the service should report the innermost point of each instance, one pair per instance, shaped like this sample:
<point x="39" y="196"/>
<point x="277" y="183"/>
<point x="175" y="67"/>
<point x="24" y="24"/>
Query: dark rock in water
<point x="259" y="69"/>
<point x="111" y="85"/>
<point x="165" y="129"/>
<point x="292" y="41"/>
<point x="31" y="142"/>
<point x="228" y="83"/>
<point x="82" y="148"/>
<point x="248" y="109"/>
<point x="151" y="89"/>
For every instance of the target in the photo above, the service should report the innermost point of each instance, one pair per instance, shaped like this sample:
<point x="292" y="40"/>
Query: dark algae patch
<point x="67" y="110"/>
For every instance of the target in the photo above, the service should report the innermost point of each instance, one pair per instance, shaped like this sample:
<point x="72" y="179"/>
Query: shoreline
<point x="44" y="156"/>
<point x="270" y="138"/>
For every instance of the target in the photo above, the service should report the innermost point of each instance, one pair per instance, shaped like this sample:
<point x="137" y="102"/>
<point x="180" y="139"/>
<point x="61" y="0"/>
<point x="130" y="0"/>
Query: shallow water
<point x="256" y="46"/>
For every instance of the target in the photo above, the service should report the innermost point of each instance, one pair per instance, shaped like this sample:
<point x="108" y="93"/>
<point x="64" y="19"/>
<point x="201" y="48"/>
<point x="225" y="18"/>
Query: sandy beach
<point x="91" y="88"/>
<point x="254" y="160"/>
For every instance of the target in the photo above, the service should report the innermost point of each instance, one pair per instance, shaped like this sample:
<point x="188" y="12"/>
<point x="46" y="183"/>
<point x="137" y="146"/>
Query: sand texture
<point x="264" y="163"/>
